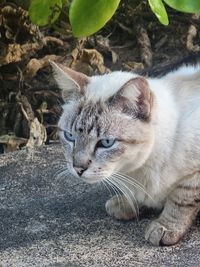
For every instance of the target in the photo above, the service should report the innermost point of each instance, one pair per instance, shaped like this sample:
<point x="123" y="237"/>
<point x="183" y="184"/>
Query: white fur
<point x="158" y="157"/>
<point x="64" y="81"/>
<point x="102" y="87"/>
<point x="175" y="153"/>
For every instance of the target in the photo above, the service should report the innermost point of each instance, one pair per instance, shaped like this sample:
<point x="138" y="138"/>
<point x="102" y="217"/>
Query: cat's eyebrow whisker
<point x="134" y="183"/>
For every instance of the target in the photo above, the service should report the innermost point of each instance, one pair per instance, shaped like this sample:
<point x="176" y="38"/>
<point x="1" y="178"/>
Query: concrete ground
<point x="53" y="221"/>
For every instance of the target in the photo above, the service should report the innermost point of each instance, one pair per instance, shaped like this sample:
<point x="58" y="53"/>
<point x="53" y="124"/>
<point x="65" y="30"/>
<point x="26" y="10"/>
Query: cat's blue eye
<point x="106" y="143"/>
<point x="69" y="137"/>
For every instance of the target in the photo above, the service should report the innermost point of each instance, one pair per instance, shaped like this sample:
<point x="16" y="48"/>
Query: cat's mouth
<point x="86" y="179"/>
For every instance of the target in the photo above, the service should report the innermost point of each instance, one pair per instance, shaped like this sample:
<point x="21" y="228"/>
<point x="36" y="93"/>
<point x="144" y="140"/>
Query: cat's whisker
<point x="134" y="183"/>
<point x="106" y="186"/>
<point x="161" y="183"/>
<point x="112" y="187"/>
<point x="129" y="177"/>
<point x="150" y="168"/>
<point x="117" y="192"/>
<point x="131" y="200"/>
<point x="128" y="194"/>
<point x="59" y="171"/>
<point x="131" y="181"/>
<point x="62" y="173"/>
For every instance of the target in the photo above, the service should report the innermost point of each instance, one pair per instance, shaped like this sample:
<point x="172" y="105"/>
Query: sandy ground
<point x="46" y="220"/>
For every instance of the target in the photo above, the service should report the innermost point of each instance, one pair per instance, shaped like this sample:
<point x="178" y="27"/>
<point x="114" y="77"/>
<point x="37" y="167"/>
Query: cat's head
<point x="106" y="125"/>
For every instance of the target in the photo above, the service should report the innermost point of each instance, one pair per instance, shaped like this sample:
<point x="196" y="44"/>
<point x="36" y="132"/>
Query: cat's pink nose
<point x="79" y="170"/>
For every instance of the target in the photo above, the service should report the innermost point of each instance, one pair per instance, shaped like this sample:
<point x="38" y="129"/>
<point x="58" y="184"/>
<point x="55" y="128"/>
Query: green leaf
<point x="88" y="16"/>
<point x="43" y="12"/>
<point x="190" y="6"/>
<point x="159" y="10"/>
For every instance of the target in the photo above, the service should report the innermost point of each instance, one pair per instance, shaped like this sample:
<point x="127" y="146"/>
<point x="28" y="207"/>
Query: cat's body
<point x="176" y="151"/>
<point x="146" y="128"/>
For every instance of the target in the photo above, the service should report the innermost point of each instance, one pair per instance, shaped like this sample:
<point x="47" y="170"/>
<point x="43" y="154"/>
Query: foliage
<point x="159" y="10"/>
<point x="88" y="16"/>
<point x="43" y="12"/>
<point x="188" y="6"/>
<point x="30" y="103"/>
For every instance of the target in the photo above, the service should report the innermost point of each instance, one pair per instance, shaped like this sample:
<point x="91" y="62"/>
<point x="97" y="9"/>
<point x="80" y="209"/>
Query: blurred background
<point x="133" y="40"/>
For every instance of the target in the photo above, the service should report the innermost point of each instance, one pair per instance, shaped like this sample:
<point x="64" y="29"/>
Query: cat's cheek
<point x="113" y="159"/>
<point x="137" y="155"/>
<point x="118" y="165"/>
<point x="67" y="150"/>
<point x="112" y="154"/>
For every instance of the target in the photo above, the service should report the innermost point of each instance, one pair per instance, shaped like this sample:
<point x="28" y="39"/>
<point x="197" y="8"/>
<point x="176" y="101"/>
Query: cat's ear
<point x="71" y="82"/>
<point x="135" y="98"/>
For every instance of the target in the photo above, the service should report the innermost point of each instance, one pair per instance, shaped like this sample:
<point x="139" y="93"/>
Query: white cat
<point x="141" y="135"/>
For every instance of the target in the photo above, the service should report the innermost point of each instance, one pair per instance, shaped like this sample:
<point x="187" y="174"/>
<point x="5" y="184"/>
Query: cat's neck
<point x="165" y="121"/>
<point x="159" y="163"/>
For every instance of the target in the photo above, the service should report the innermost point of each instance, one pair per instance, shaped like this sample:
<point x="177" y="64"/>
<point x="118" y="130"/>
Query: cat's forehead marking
<point x="87" y="119"/>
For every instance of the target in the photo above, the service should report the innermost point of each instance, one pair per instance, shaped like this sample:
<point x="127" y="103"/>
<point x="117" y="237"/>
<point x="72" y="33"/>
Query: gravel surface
<point x="56" y="221"/>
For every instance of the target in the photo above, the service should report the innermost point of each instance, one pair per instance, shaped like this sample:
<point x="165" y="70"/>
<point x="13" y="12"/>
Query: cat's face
<point x="107" y="134"/>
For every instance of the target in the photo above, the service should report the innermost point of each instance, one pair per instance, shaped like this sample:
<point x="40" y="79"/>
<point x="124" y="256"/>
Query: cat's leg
<point x="178" y="214"/>
<point x="119" y="207"/>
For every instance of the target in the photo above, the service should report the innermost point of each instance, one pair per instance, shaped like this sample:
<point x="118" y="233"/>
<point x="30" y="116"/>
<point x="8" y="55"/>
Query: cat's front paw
<point x="118" y="207"/>
<point x="161" y="235"/>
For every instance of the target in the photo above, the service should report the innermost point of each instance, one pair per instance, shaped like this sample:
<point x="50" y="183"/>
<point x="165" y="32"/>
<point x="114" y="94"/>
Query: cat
<point x="140" y="135"/>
